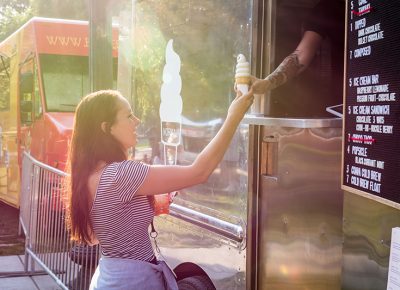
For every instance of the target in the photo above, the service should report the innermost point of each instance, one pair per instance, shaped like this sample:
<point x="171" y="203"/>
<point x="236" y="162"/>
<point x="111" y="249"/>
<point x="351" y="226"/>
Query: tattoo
<point x="288" y="69"/>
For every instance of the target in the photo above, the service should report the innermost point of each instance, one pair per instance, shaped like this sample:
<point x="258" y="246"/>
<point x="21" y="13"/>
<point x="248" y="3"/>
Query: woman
<point x="110" y="197"/>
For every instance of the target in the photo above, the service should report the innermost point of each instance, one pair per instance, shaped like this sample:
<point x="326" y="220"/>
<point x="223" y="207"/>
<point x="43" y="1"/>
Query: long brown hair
<point x="89" y="145"/>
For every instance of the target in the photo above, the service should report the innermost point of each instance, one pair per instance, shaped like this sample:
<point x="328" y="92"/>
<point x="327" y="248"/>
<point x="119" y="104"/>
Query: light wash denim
<point x="124" y="274"/>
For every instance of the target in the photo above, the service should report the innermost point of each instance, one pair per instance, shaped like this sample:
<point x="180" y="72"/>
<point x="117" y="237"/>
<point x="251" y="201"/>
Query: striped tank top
<point x="121" y="218"/>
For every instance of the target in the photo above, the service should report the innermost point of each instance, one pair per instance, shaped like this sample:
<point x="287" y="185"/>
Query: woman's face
<point x="124" y="127"/>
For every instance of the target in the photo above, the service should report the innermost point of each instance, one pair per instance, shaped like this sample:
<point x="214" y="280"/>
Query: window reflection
<point x="207" y="35"/>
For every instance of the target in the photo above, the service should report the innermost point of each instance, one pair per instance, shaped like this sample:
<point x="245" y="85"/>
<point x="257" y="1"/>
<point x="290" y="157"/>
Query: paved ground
<point x="12" y="275"/>
<point x="10" y="242"/>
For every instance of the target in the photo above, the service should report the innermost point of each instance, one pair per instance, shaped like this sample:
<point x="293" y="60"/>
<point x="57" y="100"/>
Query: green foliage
<point x="13" y="13"/>
<point x="148" y="62"/>
<point x="207" y="51"/>
<point x="71" y="9"/>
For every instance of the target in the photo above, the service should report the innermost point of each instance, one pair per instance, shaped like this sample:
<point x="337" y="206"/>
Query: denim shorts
<point x="124" y="274"/>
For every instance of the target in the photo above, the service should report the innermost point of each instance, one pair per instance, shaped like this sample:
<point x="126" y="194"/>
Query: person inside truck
<point x="110" y="198"/>
<point x="326" y="20"/>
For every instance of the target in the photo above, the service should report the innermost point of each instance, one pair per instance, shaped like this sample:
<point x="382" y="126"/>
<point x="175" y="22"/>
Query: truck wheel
<point x="196" y="283"/>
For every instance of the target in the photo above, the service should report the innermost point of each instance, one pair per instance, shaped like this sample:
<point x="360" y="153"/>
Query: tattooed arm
<point x="291" y="66"/>
<point x="288" y="69"/>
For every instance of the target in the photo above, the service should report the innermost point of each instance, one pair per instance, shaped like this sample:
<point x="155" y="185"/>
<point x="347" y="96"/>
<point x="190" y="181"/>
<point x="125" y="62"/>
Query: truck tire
<point x="196" y="283"/>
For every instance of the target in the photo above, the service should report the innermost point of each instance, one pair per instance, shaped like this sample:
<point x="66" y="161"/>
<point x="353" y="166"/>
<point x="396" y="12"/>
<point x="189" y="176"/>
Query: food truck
<point x="44" y="73"/>
<point x="284" y="214"/>
<point x="271" y="213"/>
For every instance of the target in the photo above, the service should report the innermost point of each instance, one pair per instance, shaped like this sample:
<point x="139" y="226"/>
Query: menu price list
<point x="372" y="100"/>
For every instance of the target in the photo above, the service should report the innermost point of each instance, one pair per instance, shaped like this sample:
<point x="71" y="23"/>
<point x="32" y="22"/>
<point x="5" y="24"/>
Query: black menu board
<point x="371" y="151"/>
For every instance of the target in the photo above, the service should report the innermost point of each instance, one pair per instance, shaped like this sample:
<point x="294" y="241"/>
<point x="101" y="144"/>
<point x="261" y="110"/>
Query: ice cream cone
<point x="243" y="80"/>
<point x="242" y="74"/>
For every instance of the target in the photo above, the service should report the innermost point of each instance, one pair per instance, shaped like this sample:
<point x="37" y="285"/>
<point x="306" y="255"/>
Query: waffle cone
<point x="243" y="80"/>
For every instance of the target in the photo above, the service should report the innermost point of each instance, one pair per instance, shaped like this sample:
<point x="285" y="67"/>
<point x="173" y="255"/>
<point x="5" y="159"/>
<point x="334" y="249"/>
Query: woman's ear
<point x="104" y="127"/>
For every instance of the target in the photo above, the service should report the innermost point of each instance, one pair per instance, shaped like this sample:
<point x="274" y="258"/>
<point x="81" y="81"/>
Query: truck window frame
<point x="26" y="67"/>
<point x="5" y="79"/>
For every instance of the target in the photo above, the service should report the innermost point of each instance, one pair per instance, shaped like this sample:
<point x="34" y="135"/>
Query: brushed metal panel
<point x="300" y="211"/>
<point x="367" y="227"/>
<point x="180" y="241"/>
<point x="293" y="122"/>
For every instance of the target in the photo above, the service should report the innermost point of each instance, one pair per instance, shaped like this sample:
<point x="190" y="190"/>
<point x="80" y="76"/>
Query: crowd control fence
<point x="47" y="242"/>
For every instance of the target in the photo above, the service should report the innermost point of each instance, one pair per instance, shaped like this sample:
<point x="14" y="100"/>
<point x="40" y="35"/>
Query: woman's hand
<point x="240" y="105"/>
<point x="259" y="86"/>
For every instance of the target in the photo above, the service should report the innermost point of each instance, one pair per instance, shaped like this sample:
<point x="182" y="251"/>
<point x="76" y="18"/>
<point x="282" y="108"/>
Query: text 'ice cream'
<point x="171" y="100"/>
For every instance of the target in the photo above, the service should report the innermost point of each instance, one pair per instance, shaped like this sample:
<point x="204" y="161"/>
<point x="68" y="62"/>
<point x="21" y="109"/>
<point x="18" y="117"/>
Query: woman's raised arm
<point x="163" y="179"/>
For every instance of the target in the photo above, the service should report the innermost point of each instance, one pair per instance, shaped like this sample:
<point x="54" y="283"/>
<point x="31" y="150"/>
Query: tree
<point x="13" y="13"/>
<point x="206" y="48"/>
<point x="71" y="9"/>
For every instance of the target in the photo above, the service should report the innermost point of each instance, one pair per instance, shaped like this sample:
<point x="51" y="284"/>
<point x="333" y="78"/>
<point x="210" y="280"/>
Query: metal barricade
<point x="42" y="218"/>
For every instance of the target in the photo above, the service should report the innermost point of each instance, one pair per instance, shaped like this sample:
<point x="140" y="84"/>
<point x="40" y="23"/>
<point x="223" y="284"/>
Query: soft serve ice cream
<point x="242" y="75"/>
<point x="242" y="78"/>
<point x="171" y="100"/>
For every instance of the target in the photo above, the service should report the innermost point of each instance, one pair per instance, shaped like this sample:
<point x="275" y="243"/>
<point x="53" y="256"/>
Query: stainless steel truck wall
<point x="293" y="215"/>
<point x="297" y="203"/>
<point x="367" y="228"/>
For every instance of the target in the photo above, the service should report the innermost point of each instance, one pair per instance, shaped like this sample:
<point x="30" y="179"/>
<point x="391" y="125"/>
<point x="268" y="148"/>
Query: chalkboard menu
<point x="371" y="151"/>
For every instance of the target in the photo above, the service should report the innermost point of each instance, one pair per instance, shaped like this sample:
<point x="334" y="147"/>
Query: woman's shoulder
<point x="126" y="165"/>
<point x="126" y="177"/>
<point x="127" y="170"/>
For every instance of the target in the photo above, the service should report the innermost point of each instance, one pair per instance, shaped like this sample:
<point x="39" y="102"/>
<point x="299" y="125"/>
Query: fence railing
<point x="42" y="218"/>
